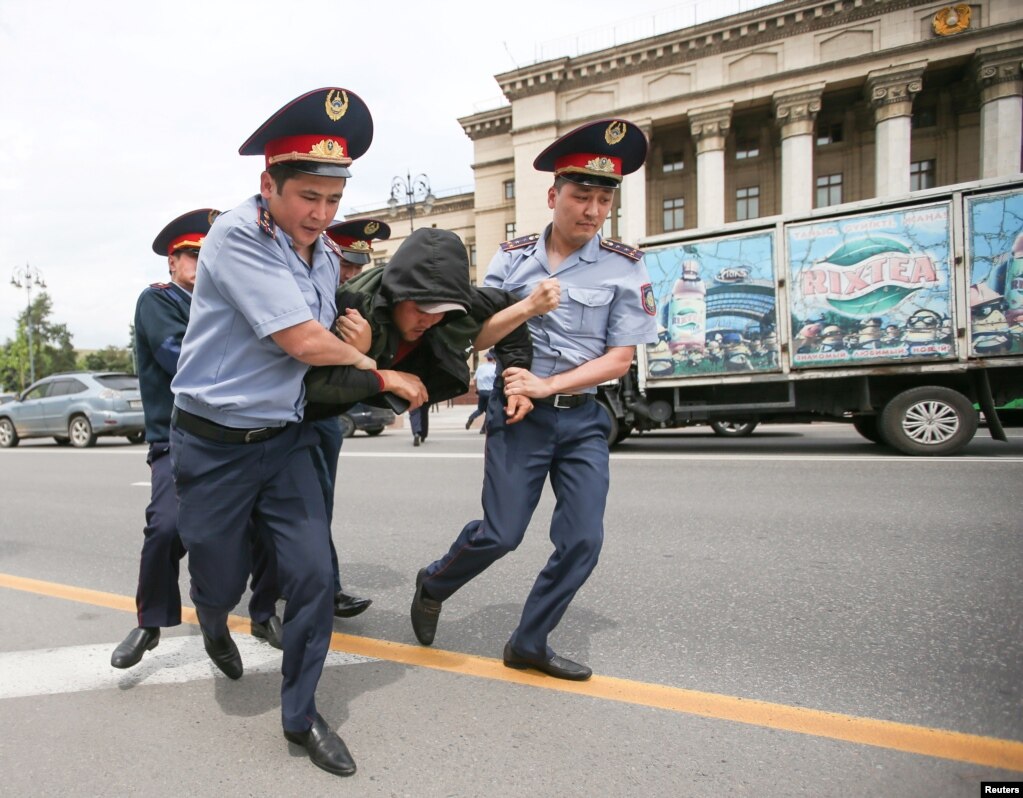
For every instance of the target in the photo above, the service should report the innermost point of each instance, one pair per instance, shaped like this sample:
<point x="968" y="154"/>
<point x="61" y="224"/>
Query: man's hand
<point x="408" y="386"/>
<point x="353" y="329"/>
<point x="545" y="297"/>
<point x="518" y="408"/>
<point x="521" y="382"/>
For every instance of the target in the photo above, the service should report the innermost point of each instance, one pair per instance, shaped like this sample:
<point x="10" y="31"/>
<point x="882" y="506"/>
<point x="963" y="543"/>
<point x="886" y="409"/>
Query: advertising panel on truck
<point x="995" y="243"/>
<point x="872" y="288"/>
<point x="716" y="306"/>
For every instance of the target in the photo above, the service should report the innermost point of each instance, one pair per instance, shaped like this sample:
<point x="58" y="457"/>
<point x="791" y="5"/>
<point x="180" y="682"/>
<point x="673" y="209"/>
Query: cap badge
<point x="358" y="244"/>
<point x="601" y="164"/>
<point x="337" y="104"/>
<point x="371" y="228"/>
<point x="328" y="148"/>
<point x="615" y="132"/>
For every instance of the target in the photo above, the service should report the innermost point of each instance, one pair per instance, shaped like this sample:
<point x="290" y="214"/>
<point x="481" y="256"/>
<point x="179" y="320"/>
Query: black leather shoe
<point x="468" y="423"/>
<point x="346" y="606"/>
<point x="425" y="613"/>
<point x="272" y="631"/>
<point x="558" y="667"/>
<point x="416" y="440"/>
<point x="224" y="654"/>
<point x="325" y="748"/>
<point x="137" y="643"/>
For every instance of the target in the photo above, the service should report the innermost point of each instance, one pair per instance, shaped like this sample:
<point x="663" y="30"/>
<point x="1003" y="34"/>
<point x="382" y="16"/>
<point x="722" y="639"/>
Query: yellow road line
<point x="971" y="748"/>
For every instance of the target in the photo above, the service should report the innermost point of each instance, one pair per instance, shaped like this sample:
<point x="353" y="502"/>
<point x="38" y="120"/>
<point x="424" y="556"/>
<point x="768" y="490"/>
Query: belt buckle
<point x="251" y="435"/>
<point x="557" y="401"/>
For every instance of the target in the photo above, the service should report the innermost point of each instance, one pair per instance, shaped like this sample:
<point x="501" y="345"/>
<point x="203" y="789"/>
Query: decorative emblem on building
<point x="336" y="104"/>
<point x="615" y="132"/>
<point x="601" y="164"/>
<point x="951" y="20"/>
<point x="328" y="148"/>
<point x="371" y="228"/>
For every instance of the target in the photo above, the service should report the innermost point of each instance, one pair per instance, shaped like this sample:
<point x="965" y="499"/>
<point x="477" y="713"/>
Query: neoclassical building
<point x="783" y="109"/>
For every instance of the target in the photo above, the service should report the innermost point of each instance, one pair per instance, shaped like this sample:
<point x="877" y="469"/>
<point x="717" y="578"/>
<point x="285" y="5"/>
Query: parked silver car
<point x="75" y="408"/>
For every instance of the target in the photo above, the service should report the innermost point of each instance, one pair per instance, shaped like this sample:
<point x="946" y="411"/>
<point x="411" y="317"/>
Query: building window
<point x="925" y="117"/>
<point x="509" y="231"/>
<point x="745" y="149"/>
<point x="673" y="162"/>
<point x="472" y="255"/>
<point x="380" y="262"/>
<point x="612" y="224"/>
<point x="829" y="190"/>
<point x="829" y="134"/>
<point x="747" y="203"/>
<point x="674" y="214"/>
<point x="509" y="189"/>
<point x="921" y="175"/>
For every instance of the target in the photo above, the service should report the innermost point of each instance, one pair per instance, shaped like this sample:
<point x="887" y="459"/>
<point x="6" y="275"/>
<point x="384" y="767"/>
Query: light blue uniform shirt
<point x="601" y="302"/>
<point x="248" y="285"/>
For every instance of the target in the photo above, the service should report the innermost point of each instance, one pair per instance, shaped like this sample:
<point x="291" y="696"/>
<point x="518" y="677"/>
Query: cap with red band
<point x="319" y="133"/>
<point x="185" y="232"/>
<point x="354" y="237"/>
<point x="597" y="154"/>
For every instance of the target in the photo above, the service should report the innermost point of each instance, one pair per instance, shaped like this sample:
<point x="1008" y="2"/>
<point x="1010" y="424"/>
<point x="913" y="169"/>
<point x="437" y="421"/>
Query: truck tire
<point x="612" y="435"/>
<point x="929" y="420"/>
<point x="733" y="429"/>
<point x="867" y="427"/>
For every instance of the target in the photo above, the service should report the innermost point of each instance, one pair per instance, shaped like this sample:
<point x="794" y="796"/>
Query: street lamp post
<point x="25" y="277"/>
<point x="413" y="189"/>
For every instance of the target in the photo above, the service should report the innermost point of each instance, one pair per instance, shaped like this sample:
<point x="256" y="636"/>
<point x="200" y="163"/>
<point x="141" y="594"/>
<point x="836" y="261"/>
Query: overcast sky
<point x="116" y="117"/>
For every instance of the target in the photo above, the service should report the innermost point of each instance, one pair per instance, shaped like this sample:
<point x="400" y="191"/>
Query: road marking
<point x="970" y="748"/>
<point x="178" y="659"/>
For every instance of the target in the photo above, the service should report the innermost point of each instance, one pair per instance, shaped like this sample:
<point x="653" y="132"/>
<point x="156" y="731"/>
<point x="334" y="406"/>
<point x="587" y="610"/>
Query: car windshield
<point x="119" y="382"/>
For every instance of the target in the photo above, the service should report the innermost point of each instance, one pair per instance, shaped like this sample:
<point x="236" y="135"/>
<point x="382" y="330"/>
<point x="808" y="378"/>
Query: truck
<point x="901" y="317"/>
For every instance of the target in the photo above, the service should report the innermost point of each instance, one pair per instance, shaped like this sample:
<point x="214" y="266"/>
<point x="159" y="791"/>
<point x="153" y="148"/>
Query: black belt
<point x="565" y="401"/>
<point x="210" y="430"/>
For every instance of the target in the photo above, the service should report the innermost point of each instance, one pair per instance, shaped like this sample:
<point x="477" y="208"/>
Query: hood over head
<point x="431" y="267"/>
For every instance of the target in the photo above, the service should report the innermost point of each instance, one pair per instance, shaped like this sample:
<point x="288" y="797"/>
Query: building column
<point x="633" y="226"/>
<point x="709" y="127"/>
<point x="795" y="111"/>
<point x="999" y="74"/>
<point x="890" y="92"/>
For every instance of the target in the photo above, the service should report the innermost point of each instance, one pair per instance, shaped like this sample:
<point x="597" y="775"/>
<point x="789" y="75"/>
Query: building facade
<point x="783" y="109"/>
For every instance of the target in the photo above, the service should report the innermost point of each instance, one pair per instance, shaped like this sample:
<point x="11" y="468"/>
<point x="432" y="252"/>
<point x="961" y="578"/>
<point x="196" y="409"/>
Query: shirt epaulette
<point x="620" y="248"/>
<point x="266" y="222"/>
<point x="520" y="242"/>
<point x="332" y="245"/>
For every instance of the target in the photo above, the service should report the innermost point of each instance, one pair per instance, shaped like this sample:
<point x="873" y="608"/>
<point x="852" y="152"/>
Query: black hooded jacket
<point x="429" y="267"/>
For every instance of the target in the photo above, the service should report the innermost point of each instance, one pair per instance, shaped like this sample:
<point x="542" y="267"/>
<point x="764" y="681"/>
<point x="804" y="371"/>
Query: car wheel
<point x="137" y="437"/>
<point x="867" y="427"/>
<point x="8" y="435"/>
<point x="347" y="426"/>
<point x="929" y="420"/>
<point x="375" y="431"/>
<point x="733" y="429"/>
<point x="61" y="440"/>
<point x="79" y="430"/>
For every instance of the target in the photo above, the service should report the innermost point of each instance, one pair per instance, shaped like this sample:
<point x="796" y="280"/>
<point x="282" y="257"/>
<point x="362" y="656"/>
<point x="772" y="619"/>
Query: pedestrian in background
<point x="484" y="378"/>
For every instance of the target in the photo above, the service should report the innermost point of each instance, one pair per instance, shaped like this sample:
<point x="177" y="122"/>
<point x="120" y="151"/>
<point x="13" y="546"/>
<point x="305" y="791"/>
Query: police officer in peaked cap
<point x="263" y="302"/>
<point x="606" y="309"/>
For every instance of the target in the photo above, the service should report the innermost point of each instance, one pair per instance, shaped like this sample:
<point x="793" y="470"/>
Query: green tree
<point x="111" y="358"/>
<point x="51" y="352"/>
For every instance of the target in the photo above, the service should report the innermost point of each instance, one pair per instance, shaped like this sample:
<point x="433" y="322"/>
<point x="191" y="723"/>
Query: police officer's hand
<point x="546" y="296"/>
<point x="517" y="409"/>
<point x="522" y="382"/>
<point x="408" y="386"/>
<point x="353" y="329"/>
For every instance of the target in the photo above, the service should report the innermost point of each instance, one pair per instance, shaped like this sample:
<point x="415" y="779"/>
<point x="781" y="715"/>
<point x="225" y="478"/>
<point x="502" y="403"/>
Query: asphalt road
<point x="796" y="613"/>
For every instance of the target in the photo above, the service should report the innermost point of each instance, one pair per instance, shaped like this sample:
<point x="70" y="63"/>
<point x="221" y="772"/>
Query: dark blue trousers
<point x="325" y="456"/>
<point x="157" y="598"/>
<point x="570" y="448"/>
<point x="273" y="483"/>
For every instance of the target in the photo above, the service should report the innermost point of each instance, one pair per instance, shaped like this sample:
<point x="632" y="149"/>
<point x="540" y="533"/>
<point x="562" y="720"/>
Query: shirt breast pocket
<point x="589" y="309"/>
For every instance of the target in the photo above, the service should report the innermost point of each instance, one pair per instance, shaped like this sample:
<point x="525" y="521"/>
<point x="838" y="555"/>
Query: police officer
<point x="264" y="297"/>
<point x="606" y="309"/>
<point x="354" y="240"/>
<point x="161" y="315"/>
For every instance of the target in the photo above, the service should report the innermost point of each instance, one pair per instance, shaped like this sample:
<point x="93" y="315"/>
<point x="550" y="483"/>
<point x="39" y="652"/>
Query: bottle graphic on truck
<point x="687" y="310"/>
